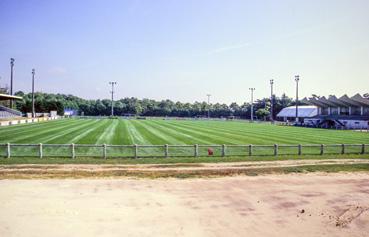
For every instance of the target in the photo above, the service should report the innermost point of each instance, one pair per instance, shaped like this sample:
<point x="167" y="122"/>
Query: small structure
<point x="70" y="112"/>
<point x="304" y="112"/>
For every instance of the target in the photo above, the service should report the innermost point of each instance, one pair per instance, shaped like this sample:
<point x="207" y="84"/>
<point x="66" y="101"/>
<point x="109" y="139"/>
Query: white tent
<point x="304" y="111"/>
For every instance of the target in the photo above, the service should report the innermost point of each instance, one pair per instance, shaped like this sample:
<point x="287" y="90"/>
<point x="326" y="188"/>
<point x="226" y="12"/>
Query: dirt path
<point x="158" y="170"/>
<point x="270" y="205"/>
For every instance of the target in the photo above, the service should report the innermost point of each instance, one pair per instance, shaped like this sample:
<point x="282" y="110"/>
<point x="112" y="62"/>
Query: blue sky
<point x="182" y="50"/>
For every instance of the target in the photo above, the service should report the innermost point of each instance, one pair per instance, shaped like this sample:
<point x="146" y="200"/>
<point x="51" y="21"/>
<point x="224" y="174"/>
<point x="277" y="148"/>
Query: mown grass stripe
<point x="121" y="134"/>
<point x="95" y="134"/>
<point x="30" y="129"/>
<point x="62" y="137"/>
<point x="41" y="133"/>
<point x="190" y="138"/>
<point x="107" y="136"/>
<point x="85" y="133"/>
<point x="135" y="135"/>
<point x="159" y="135"/>
<point x="211" y="134"/>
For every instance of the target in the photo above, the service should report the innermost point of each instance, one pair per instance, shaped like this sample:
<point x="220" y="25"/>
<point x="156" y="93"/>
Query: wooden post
<point x="299" y="147"/>
<point x="321" y="149"/>
<point x="275" y="149"/>
<point x="104" y="151"/>
<point x="196" y="150"/>
<point x="362" y="148"/>
<point x="166" y="150"/>
<point x="8" y="150"/>
<point x="223" y="150"/>
<point x="343" y="149"/>
<point x="135" y="146"/>
<point x="40" y="150"/>
<point x="250" y="150"/>
<point x="73" y="151"/>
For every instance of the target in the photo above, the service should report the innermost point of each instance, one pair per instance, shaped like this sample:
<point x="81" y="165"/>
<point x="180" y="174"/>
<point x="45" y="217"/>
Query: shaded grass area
<point x="93" y="160"/>
<point x="182" y="174"/>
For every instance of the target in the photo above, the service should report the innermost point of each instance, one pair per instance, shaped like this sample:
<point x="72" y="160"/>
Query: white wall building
<point x="304" y="111"/>
<point x="344" y="112"/>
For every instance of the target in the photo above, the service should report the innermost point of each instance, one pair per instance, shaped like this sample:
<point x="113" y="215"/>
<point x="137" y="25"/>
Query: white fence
<point x="26" y="120"/>
<point x="141" y="151"/>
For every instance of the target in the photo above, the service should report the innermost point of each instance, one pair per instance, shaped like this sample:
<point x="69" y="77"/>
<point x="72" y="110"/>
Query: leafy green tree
<point x="45" y="102"/>
<point x="262" y="113"/>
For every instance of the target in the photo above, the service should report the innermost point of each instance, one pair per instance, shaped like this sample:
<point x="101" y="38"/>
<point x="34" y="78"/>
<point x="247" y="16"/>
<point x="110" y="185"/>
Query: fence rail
<point x="141" y="151"/>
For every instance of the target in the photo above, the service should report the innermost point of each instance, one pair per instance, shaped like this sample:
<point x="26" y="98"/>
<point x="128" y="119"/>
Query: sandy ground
<point x="269" y="205"/>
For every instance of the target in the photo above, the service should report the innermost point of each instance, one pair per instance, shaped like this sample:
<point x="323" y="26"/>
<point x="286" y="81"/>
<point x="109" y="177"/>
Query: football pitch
<point x="172" y="132"/>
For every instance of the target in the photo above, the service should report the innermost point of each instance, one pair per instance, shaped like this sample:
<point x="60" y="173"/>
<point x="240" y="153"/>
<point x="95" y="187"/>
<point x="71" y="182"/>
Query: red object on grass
<point x="210" y="152"/>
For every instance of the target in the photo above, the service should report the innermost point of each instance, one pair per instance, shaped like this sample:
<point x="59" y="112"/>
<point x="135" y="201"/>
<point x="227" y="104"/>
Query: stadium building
<point x="5" y="112"/>
<point x="332" y="112"/>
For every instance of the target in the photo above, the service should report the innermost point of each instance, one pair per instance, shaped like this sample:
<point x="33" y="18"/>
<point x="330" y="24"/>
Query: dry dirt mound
<point x="352" y="214"/>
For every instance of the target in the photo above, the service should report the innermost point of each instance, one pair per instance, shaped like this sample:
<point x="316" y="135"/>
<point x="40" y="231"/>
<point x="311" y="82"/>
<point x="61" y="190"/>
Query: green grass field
<point x="172" y="132"/>
<point x="158" y="132"/>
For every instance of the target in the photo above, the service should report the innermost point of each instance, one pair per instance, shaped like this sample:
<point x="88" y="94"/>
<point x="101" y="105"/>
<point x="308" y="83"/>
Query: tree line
<point x="45" y="102"/>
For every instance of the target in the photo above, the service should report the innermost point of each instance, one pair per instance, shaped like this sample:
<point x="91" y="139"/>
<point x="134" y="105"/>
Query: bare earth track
<point x="123" y="200"/>
<point x="313" y="204"/>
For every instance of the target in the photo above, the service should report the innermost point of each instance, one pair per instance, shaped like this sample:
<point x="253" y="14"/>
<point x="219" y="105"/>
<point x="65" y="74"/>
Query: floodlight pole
<point x="252" y="103"/>
<point x="112" y="83"/>
<point x="11" y="79"/>
<point x="271" y="100"/>
<point x="208" y="95"/>
<point x="33" y="93"/>
<point x="297" y="79"/>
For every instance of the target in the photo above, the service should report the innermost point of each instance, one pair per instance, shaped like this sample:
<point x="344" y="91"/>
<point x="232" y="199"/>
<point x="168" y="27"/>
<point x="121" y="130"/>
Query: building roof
<point x="304" y="111"/>
<point x="360" y="99"/>
<point x="9" y="97"/>
<point x="338" y="102"/>
<point x="332" y="101"/>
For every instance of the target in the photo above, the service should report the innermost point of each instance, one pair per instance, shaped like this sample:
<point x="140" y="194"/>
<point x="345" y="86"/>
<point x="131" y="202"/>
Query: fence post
<point x="343" y="149"/>
<point x="196" y="150"/>
<point x="275" y="149"/>
<point x="104" y="151"/>
<point x="223" y="150"/>
<point x="362" y="148"/>
<point x="166" y="150"/>
<point x="250" y="150"/>
<point x="73" y="151"/>
<point x="40" y="150"/>
<point x="321" y="149"/>
<point x="8" y="150"/>
<point x="299" y="147"/>
<point x="135" y="146"/>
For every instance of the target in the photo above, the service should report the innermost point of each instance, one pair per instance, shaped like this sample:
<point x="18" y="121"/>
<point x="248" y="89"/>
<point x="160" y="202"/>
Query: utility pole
<point x="208" y="95"/>
<point x="11" y="80"/>
<point x="112" y="83"/>
<point x="252" y="103"/>
<point x="297" y="79"/>
<point x="271" y="100"/>
<point x="33" y="93"/>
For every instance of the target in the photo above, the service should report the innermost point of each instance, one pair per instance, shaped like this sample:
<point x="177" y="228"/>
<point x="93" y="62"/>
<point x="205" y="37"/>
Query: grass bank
<point x="181" y="174"/>
<point x="90" y="160"/>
